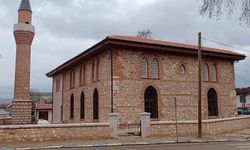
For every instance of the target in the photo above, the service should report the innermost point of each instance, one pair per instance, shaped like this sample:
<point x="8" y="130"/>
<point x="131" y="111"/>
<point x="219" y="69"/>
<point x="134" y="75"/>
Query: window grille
<point x="205" y="73"/>
<point x="212" y="103"/>
<point x="72" y="106"/>
<point x="154" y="71"/>
<point x="150" y="102"/>
<point x="95" y="105"/>
<point x="144" y="68"/>
<point x="213" y="73"/>
<point x="82" y="107"/>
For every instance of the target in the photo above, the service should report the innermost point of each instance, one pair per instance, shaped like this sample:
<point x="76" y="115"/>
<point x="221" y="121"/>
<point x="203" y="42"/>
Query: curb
<point x="135" y="143"/>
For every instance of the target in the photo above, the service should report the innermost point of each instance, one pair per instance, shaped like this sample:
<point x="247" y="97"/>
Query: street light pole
<point x="199" y="87"/>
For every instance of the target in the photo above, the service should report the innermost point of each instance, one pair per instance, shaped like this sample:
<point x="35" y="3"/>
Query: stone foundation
<point x="21" y="112"/>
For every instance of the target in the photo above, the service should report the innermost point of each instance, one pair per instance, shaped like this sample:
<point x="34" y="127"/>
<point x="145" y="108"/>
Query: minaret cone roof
<point x="25" y="5"/>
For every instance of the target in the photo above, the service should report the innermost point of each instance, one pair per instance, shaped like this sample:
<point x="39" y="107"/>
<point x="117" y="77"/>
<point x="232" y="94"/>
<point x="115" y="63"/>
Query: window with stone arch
<point x="182" y="69"/>
<point x="72" y="106"/>
<point x="206" y="72"/>
<point x="144" y="67"/>
<point x="82" y="106"/>
<point x="95" y="105"/>
<point x="213" y="72"/>
<point x="212" y="103"/>
<point x="154" y="69"/>
<point x="151" y="101"/>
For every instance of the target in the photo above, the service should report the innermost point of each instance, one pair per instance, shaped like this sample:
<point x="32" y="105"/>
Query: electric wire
<point x="230" y="46"/>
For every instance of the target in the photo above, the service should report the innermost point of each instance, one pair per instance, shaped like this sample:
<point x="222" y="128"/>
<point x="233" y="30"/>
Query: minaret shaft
<point x="24" y="33"/>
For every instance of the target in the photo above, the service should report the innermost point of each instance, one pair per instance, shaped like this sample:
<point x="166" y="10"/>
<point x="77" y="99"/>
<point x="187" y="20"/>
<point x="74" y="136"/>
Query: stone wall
<point x="129" y="87"/>
<point x="5" y="121"/>
<point x="53" y="132"/>
<point x="209" y="127"/>
<point x="102" y="84"/>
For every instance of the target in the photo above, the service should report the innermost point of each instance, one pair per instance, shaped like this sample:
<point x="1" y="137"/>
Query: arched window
<point x="206" y="72"/>
<point x="82" y="106"/>
<point x="154" y="68"/>
<point x="95" y="105"/>
<point x="144" y="68"/>
<point x="213" y="72"/>
<point x="212" y="103"/>
<point x="150" y="101"/>
<point x="182" y="69"/>
<point x="72" y="106"/>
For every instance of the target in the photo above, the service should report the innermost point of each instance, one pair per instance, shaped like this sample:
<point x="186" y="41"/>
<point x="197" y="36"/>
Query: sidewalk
<point x="239" y="136"/>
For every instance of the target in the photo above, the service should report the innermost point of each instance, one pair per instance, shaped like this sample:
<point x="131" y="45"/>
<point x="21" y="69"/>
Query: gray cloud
<point x="64" y="28"/>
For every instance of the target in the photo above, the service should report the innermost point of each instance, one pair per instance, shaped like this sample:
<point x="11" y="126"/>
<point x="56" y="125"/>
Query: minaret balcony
<point x="24" y="27"/>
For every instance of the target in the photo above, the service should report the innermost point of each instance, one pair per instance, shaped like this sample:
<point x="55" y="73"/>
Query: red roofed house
<point x="131" y="75"/>
<point x="43" y="111"/>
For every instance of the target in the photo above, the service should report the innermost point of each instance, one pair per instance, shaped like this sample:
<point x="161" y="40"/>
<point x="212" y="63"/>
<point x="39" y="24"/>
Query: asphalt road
<point x="207" y="146"/>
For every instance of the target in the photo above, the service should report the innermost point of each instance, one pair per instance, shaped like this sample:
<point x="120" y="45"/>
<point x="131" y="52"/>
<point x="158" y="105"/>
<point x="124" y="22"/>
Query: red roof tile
<point x="130" y="40"/>
<point x="171" y="44"/>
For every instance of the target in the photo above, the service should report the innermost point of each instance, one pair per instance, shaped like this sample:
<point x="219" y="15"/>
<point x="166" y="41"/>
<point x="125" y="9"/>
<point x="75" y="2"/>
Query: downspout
<point x="111" y="78"/>
<point x="52" y="99"/>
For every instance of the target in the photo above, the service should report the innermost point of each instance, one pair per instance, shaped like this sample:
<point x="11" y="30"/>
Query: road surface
<point x="202" y="146"/>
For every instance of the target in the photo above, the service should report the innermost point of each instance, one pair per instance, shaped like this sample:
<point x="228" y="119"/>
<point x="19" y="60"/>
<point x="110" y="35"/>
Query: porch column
<point x="113" y="123"/>
<point x="145" y="124"/>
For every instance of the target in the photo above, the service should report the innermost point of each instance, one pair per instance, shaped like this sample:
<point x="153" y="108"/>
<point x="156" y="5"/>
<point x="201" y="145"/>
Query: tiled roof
<point x="25" y="5"/>
<point x="42" y="106"/>
<point x="171" y="44"/>
<point x="143" y="42"/>
<point x="3" y="106"/>
<point x="3" y="112"/>
<point x="240" y="91"/>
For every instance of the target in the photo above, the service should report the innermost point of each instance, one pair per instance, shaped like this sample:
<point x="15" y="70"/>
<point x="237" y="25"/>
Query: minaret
<point x="24" y="33"/>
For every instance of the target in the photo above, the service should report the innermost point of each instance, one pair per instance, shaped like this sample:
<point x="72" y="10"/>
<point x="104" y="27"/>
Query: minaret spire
<point x="24" y="33"/>
<point x="25" y="5"/>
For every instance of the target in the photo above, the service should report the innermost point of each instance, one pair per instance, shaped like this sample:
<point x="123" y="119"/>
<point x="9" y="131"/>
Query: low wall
<point x="55" y="132"/>
<point x="5" y="121"/>
<point x="190" y="128"/>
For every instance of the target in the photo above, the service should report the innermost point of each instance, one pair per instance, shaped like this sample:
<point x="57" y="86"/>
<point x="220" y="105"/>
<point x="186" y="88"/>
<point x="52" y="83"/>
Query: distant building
<point x="41" y="106"/>
<point x="43" y="111"/>
<point x="243" y="98"/>
<point x="38" y="97"/>
<point x="4" y="114"/>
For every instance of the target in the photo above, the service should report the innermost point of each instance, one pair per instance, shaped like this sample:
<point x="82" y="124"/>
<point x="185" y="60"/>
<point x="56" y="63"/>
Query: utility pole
<point x="199" y="87"/>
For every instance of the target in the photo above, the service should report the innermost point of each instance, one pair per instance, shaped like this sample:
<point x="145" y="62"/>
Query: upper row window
<point x="154" y="68"/>
<point x="209" y="73"/>
<point x="72" y="79"/>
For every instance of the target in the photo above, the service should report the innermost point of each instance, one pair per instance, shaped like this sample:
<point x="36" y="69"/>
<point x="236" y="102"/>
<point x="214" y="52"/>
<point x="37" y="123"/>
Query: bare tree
<point x="216" y="8"/>
<point x="145" y="34"/>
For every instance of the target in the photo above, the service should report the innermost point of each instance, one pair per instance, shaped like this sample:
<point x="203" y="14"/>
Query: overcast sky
<point x="64" y="28"/>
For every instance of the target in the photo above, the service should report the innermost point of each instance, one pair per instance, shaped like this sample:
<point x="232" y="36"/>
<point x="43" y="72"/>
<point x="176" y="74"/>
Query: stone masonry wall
<point x="209" y="127"/>
<point x="102" y="85"/>
<point x="129" y="87"/>
<point x="38" y="133"/>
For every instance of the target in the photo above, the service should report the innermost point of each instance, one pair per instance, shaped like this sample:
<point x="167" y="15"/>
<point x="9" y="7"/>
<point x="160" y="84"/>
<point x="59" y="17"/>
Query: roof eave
<point x="76" y="58"/>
